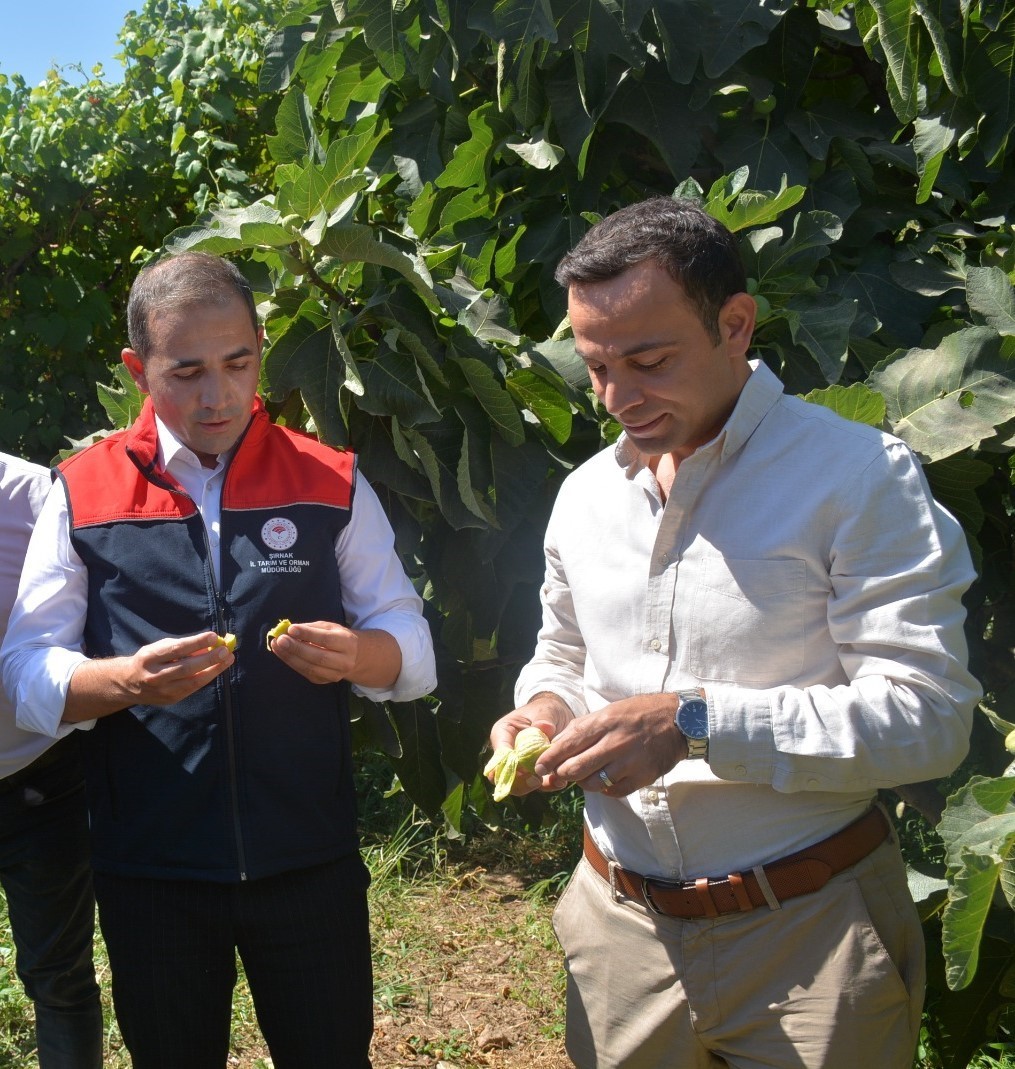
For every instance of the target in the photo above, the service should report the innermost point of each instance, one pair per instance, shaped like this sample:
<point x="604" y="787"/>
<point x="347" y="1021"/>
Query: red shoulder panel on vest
<point x="104" y="486"/>
<point x="283" y="467"/>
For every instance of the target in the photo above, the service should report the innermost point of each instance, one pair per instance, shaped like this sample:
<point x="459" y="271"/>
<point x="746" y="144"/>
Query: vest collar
<point x="142" y="437"/>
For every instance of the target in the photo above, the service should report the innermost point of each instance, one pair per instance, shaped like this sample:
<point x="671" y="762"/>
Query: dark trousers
<point x="45" y="874"/>
<point x="304" y="941"/>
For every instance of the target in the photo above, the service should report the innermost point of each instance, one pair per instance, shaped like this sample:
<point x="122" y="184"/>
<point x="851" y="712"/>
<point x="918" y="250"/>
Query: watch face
<point x="692" y="718"/>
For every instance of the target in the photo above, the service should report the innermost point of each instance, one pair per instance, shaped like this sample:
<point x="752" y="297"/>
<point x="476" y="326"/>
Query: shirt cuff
<point x="741" y="742"/>
<point x="42" y="694"/>
<point x="418" y="675"/>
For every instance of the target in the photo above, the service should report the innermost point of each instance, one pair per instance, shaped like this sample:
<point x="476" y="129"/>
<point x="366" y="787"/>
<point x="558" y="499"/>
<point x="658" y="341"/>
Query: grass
<point x="467" y="970"/>
<point x="455" y="926"/>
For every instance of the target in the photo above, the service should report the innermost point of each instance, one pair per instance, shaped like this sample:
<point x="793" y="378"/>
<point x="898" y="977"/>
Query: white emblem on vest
<point x="279" y="533"/>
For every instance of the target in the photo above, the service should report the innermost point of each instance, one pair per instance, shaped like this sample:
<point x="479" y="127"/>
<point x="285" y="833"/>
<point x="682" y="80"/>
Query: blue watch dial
<point x="692" y="718"/>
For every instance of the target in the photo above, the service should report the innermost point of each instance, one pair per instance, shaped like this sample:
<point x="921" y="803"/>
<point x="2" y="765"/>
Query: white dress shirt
<point x="799" y="571"/>
<point x="23" y="489"/>
<point x="44" y="646"/>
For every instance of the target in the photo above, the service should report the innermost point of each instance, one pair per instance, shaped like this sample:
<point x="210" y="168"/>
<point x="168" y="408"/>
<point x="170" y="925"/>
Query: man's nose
<point x="619" y="394"/>
<point x="213" y="391"/>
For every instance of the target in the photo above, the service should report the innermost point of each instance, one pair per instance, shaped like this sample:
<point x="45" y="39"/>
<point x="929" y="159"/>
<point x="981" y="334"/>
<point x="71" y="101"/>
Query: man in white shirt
<point x="220" y="780"/>
<point x="44" y="867"/>
<point x="752" y="621"/>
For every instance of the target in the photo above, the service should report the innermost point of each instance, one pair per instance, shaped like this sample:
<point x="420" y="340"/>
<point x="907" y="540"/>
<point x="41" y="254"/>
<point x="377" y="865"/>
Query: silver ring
<point x="607" y="782"/>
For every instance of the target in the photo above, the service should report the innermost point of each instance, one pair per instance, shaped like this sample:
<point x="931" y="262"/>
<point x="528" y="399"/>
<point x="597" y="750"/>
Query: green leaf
<point x="537" y="152"/>
<point x="779" y="262"/>
<point x="516" y="22"/>
<point x="468" y="164"/>
<point x="393" y="386"/>
<point x="419" y="770"/>
<point x="356" y="243"/>
<point x="896" y="27"/>
<point x="356" y="78"/>
<point x="856" y="402"/>
<point x="662" y="112"/>
<point x="990" y="75"/>
<point x="488" y="318"/>
<point x="750" y="207"/>
<point x="494" y="398"/>
<point x="954" y="482"/>
<point x="821" y="324"/>
<point x="543" y="401"/>
<point x="305" y="357"/>
<point x="325" y="186"/>
<point x="297" y="135"/>
<point x="439" y="449"/>
<point x="381" y="30"/>
<point x="122" y="405"/>
<point x="943" y="400"/>
<point x="715" y="33"/>
<point x="283" y="49"/>
<point x="466" y="491"/>
<point x="990" y="293"/>
<point x="978" y="829"/>
<point x="231" y="229"/>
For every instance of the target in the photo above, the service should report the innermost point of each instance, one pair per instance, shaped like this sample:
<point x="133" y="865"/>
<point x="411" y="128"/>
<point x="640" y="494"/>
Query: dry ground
<point x="467" y="971"/>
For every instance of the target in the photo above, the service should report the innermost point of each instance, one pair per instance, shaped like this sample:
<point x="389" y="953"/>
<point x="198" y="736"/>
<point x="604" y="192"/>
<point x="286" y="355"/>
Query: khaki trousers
<point x="832" y="980"/>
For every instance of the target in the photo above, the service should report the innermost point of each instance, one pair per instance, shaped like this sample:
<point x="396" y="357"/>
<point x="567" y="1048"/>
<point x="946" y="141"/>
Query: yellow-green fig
<point x="279" y="629"/>
<point x="507" y="762"/>
<point x="530" y="744"/>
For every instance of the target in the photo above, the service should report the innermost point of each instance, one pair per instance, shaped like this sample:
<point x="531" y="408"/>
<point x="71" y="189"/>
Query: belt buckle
<point x="615" y="892"/>
<point x="647" y="895"/>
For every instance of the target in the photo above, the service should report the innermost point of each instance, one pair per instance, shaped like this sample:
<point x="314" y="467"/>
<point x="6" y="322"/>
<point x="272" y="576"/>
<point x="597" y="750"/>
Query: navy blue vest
<point x="251" y="775"/>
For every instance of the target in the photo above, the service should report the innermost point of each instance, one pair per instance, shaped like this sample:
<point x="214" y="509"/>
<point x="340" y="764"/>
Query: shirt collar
<point x="760" y="394"/>
<point x="172" y="452"/>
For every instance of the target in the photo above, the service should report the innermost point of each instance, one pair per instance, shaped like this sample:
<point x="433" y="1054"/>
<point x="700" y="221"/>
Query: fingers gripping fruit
<point x="507" y="762"/>
<point x="279" y="629"/>
<point x="228" y="640"/>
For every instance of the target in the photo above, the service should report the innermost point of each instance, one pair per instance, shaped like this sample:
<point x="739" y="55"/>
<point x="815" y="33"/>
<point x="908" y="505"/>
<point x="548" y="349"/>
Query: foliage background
<point x="399" y="181"/>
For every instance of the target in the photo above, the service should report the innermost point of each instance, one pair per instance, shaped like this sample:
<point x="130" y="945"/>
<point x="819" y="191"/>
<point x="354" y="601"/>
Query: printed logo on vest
<point x="279" y="533"/>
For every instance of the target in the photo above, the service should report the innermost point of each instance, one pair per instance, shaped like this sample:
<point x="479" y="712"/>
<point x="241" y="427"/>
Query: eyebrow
<point x="244" y="350"/>
<point x="635" y="350"/>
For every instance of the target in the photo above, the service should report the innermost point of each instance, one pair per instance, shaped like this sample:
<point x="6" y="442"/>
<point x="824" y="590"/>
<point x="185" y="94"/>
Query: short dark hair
<point x="694" y="249"/>
<point x="178" y="281"/>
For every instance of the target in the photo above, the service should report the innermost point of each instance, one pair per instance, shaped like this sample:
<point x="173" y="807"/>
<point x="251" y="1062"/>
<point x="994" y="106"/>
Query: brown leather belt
<point x="801" y="873"/>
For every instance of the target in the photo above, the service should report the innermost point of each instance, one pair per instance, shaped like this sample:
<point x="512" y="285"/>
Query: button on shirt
<point x="801" y="572"/>
<point x="23" y="489"/>
<point x="44" y="640"/>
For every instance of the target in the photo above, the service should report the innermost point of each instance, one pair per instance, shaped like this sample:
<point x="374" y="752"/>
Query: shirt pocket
<point x="748" y="621"/>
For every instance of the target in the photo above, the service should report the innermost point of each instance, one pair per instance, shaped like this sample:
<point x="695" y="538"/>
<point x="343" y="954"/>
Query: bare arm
<point x="326" y="652"/>
<point x="159" y="674"/>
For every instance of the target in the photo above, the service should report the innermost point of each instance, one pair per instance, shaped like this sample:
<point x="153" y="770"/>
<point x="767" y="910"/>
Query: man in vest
<point x="219" y="780"/>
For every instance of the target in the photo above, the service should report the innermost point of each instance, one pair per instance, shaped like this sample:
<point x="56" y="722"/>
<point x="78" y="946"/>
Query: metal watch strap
<point x="697" y="749"/>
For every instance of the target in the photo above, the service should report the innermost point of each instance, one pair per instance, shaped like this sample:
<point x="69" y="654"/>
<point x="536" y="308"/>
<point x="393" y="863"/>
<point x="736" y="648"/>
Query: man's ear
<point x="135" y="366"/>
<point x="736" y="322"/>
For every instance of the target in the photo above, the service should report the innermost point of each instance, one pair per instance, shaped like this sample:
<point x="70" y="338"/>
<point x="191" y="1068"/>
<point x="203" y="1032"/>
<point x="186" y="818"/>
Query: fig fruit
<point x="508" y="761"/>
<point x="279" y="629"/>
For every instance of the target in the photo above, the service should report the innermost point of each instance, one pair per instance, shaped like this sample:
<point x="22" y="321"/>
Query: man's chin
<point x="208" y="445"/>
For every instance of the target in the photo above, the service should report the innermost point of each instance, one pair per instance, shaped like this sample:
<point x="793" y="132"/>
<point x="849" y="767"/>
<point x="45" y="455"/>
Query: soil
<point x="468" y="975"/>
<point x="487" y="999"/>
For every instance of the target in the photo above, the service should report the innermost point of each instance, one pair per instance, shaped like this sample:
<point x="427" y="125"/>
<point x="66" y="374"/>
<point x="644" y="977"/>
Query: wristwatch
<point x="692" y="721"/>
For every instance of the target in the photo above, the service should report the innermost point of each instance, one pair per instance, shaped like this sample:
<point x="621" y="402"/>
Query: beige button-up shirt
<point x="799" y="571"/>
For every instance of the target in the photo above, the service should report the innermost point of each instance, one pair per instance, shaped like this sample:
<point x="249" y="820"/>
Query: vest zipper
<point x="227" y="702"/>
